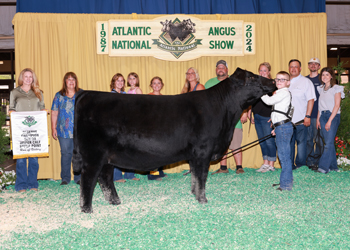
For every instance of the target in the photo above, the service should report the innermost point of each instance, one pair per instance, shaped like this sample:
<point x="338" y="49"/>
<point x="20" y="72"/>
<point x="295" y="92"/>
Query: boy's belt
<point x="280" y="123"/>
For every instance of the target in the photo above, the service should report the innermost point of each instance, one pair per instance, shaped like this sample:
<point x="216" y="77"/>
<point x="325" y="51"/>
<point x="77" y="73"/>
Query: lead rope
<point x="232" y="152"/>
<point x="258" y="140"/>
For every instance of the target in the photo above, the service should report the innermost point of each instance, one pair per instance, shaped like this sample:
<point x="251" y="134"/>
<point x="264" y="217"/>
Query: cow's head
<point x="189" y="25"/>
<point x="251" y="86"/>
<point x="165" y="24"/>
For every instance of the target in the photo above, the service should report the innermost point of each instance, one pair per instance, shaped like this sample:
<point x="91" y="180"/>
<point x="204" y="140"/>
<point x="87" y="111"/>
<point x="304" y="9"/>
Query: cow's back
<point x="142" y="131"/>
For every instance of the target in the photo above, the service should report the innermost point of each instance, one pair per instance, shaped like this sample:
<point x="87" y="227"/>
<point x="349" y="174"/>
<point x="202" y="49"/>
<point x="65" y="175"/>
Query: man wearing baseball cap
<point x="314" y="65"/>
<point x="222" y="74"/>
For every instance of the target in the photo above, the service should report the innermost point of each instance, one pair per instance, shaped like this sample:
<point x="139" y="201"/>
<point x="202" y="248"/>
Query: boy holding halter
<point x="283" y="128"/>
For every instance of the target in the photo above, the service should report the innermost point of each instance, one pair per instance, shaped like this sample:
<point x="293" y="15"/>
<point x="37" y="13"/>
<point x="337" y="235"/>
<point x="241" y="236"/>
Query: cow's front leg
<point x="87" y="186"/>
<point x="107" y="186"/>
<point x="199" y="171"/>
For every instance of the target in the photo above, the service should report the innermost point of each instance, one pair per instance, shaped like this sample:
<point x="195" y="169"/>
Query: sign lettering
<point x="175" y="38"/>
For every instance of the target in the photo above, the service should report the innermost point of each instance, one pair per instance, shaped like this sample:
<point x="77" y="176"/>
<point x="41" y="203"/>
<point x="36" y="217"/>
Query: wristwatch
<point x="307" y="116"/>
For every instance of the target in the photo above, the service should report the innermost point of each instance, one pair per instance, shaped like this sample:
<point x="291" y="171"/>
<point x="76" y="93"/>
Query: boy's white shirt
<point x="281" y="99"/>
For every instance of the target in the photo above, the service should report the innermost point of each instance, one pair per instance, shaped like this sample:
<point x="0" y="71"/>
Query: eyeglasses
<point x="281" y="80"/>
<point x="192" y="73"/>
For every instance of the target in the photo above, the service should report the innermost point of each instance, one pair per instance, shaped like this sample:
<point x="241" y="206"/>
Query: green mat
<point x="243" y="212"/>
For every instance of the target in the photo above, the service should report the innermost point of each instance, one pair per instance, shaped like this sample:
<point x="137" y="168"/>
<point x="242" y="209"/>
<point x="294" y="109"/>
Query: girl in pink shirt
<point x="134" y="83"/>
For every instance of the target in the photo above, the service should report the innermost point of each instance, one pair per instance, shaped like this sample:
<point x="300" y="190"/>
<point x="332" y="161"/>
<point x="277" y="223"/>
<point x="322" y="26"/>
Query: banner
<point x="29" y="134"/>
<point x="175" y="38"/>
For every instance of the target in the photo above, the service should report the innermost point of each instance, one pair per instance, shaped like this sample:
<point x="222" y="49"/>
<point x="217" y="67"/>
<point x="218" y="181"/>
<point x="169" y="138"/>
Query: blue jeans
<point x="67" y="146"/>
<point x="300" y="136"/>
<point x="263" y="128"/>
<point x="118" y="175"/>
<point x="311" y="151"/>
<point x="27" y="178"/>
<point x="284" y="135"/>
<point x="154" y="177"/>
<point x="328" y="160"/>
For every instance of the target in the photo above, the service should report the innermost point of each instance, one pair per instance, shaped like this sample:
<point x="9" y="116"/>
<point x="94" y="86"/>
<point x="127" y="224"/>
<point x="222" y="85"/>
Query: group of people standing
<point x="118" y="86"/>
<point x="300" y="106"/>
<point x="28" y="97"/>
<point x="315" y="99"/>
<point x="316" y="103"/>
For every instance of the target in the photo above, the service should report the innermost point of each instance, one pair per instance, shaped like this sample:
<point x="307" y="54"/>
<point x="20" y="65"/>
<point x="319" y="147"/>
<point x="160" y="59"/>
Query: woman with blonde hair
<point x="192" y="81"/>
<point x="27" y="97"/>
<point x="262" y="121"/>
<point x="192" y="84"/>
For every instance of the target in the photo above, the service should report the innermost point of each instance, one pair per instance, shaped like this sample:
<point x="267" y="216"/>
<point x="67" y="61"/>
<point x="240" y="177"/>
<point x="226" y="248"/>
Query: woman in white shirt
<point x="328" y="118"/>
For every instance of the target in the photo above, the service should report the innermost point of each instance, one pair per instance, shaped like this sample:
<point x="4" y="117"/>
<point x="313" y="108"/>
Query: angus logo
<point x="29" y="121"/>
<point x="177" y="37"/>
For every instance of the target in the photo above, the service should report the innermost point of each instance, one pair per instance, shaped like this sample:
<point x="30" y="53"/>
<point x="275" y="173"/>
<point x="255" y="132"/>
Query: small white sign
<point x="29" y="134"/>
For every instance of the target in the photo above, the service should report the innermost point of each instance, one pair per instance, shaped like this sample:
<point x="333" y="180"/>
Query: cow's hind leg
<point x="107" y="186"/>
<point x="194" y="184"/>
<point x="199" y="170"/>
<point x="87" y="186"/>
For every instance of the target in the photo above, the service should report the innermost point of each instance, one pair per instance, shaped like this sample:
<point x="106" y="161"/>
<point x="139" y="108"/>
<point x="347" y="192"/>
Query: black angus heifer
<point x="143" y="132"/>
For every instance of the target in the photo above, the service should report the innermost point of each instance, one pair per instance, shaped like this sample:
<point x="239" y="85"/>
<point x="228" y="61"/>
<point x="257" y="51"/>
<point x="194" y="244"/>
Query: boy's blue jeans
<point x="328" y="160"/>
<point x="284" y="135"/>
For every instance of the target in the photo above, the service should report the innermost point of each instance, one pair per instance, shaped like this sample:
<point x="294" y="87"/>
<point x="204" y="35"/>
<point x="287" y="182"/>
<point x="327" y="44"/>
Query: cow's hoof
<point x="115" y="202"/>
<point x="87" y="210"/>
<point x="202" y="200"/>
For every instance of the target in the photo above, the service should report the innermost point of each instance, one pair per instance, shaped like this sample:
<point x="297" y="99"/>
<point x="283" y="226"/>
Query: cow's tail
<point x="77" y="161"/>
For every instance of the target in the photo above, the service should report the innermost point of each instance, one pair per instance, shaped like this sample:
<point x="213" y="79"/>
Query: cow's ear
<point x="239" y="73"/>
<point x="239" y="76"/>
